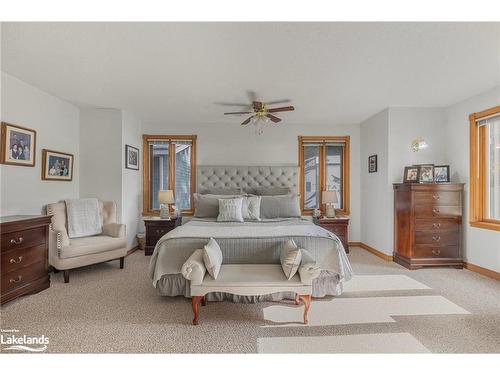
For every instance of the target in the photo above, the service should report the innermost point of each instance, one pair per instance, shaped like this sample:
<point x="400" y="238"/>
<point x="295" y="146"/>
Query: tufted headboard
<point x="247" y="178"/>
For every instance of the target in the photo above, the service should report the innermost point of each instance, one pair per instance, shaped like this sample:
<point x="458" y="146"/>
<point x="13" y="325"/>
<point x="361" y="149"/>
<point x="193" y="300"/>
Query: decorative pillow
<point x="251" y="208"/>
<point x="308" y="269"/>
<point x="230" y="209"/>
<point x="280" y="206"/>
<point x="272" y="191"/>
<point x="207" y="205"/>
<point x="212" y="257"/>
<point x="290" y="258"/>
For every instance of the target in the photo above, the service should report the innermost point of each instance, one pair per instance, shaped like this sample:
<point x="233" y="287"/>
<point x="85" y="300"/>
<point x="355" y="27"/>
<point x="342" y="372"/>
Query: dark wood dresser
<point x="156" y="228"/>
<point x="24" y="255"/>
<point x="428" y="224"/>
<point x="338" y="225"/>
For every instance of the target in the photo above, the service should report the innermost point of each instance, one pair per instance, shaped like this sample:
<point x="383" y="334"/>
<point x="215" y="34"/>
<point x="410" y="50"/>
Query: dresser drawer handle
<point x="436" y="252"/>
<point x="16" y="242"/>
<point x="17" y="280"/>
<point x="435" y="210"/>
<point x="436" y="225"/>
<point x="436" y="197"/>
<point x="19" y="260"/>
<point x="436" y="238"/>
<point x="159" y="231"/>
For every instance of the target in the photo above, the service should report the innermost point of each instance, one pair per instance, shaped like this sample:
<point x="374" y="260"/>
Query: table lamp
<point x="165" y="198"/>
<point x="329" y="199"/>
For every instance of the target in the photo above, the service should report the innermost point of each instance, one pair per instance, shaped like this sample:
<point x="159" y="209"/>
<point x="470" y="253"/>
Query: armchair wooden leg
<point x="66" y="276"/>
<point x="306" y="298"/>
<point x="195" y="301"/>
<point x="122" y="262"/>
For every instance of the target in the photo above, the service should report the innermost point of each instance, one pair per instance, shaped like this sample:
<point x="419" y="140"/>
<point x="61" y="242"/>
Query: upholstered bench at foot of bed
<point x="250" y="280"/>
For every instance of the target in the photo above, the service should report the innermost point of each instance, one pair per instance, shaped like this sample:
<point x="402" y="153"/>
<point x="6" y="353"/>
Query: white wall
<point x="56" y="123"/>
<point x="481" y="246"/>
<point x="131" y="179"/>
<point x="376" y="192"/>
<point x="232" y="144"/>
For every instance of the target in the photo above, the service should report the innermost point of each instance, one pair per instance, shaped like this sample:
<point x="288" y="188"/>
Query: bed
<point x="251" y="242"/>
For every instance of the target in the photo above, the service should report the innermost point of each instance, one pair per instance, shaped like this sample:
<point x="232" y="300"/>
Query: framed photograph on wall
<point x="372" y="164"/>
<point x="442" y="173"/>
<point x="426" y="173"/>
<point x="18" y="145"/>
<point x="411" y="174"/>
<point x="57" y="166"/>
<point x="131" y="157"/>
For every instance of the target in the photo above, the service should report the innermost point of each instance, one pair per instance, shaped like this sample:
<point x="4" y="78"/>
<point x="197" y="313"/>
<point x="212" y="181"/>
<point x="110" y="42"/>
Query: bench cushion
<point x="250" y="279"/>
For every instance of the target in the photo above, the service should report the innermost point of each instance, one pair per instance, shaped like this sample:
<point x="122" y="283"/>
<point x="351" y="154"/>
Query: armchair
<point x="66" y="253"/>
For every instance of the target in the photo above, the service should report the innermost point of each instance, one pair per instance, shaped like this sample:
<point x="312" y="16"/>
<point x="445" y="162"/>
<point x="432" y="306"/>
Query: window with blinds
<point x="169" y="164"/>
<point x="324" y="165"/>
<point x="485" y="168"/>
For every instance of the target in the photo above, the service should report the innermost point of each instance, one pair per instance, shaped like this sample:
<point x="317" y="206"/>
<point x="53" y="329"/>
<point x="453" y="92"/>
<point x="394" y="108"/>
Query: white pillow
<point x="251" y="207"/>
<point x="290" y="258"/>
<point x="230" y="209"/>
<point x="212" y="257"/>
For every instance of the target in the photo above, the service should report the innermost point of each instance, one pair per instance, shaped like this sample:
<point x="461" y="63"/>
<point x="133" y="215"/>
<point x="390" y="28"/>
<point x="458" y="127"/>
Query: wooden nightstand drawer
<point x="156" y="229"/>
<point x="23" y="276"/>
<point x="338" y="226"/>
<point x="23" y="239"/>
<point x="15" y="259"/>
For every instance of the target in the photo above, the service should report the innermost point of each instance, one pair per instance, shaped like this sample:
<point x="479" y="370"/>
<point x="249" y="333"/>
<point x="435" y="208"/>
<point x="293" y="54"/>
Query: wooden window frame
<point x="146" y="184"/>
<point x="345" y="171"/>
<point x="477" y="154"/>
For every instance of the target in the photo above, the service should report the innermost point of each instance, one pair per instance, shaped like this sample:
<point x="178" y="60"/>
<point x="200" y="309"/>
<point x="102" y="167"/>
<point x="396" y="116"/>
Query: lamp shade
<point x="166" y="197"/>
<point x="330" y="196"/>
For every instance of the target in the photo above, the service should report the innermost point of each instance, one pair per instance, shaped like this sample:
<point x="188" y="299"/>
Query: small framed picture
<point x="17" y="145"/>
<point x="131" y="157"/>
<point x="57" y="166"/>
<point x="372" y="164"/>
<point x="426" y="173"/>
<point x="442" y="173"/>
<point x="411" y="174"/>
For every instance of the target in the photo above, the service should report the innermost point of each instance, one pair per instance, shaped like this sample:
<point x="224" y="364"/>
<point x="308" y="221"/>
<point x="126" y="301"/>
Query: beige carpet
<point x="105" y="309"/>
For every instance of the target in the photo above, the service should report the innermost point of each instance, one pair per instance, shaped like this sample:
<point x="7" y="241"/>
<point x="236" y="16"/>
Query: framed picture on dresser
<point x="442" y="173"/>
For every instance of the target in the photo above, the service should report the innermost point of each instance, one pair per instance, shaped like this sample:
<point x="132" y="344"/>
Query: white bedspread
<point x="248" y="242"/>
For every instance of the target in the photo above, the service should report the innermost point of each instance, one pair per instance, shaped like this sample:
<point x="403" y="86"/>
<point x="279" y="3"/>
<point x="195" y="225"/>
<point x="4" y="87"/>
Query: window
<point x="485" y="169"/>
<point x="324" y="165"/>
<point x="169" y="164"/>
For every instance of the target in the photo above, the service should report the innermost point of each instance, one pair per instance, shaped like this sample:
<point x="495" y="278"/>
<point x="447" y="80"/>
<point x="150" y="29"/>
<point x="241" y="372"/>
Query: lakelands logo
<point x="12" y="340"/>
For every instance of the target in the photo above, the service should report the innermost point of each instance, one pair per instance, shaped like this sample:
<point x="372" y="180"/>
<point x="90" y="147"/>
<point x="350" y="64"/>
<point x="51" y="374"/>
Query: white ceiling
<point x="334" y="73"/>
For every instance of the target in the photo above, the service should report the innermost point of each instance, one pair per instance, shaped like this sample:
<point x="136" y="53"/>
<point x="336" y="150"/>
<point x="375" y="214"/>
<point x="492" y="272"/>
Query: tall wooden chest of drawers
<point x="24" y="255"/>
<point x="428" y="225"/>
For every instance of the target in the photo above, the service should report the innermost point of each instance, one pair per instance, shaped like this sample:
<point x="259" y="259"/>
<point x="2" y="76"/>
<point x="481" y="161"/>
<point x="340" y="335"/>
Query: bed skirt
<point x="327" y="284"/>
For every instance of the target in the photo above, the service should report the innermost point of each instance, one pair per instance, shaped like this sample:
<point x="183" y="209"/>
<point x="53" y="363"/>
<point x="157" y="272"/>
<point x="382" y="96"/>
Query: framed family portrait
<point x="426" y="173"/>
<point x="18" y="145"/>
<point x="372" y="164"/>
<point x="131" y="157"/>
<point x="57" y="166"/>
<point x="411" y="175"/>
<point x="442" y="173"/>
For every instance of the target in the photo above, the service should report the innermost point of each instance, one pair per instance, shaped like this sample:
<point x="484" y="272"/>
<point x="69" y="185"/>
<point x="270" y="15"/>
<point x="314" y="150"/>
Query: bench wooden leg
<point x="306" y="298"/>
<point x="195" y="302"/>
<point x="297" y="298"/>
<point x="203" y="301"/>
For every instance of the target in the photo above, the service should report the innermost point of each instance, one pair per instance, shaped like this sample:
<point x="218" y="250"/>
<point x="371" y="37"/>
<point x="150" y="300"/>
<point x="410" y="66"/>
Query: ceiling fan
<point x="260" y="111"/>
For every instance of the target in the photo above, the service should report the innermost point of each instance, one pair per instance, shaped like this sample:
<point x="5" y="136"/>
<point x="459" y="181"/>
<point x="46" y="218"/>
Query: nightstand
<point x="156" y="228"/>
<point x="338" y="225"/>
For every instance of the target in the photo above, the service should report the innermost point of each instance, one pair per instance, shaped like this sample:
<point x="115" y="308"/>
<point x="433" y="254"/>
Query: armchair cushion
<point x="114" y="230"/>
<point x="194" y="268"/>
<point x="91" y="245"/>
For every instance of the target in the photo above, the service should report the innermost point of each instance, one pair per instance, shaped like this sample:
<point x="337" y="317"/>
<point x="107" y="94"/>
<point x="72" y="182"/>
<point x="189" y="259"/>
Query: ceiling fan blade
<point x="257" y="105"/>
<point x="278" y="101"/>
<point x="233" y="104"/>
<point x="237" y="113"/>
<point x="246" y="121"/>
<point x="273" y="118"/>
<point x="281" y="109"/>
